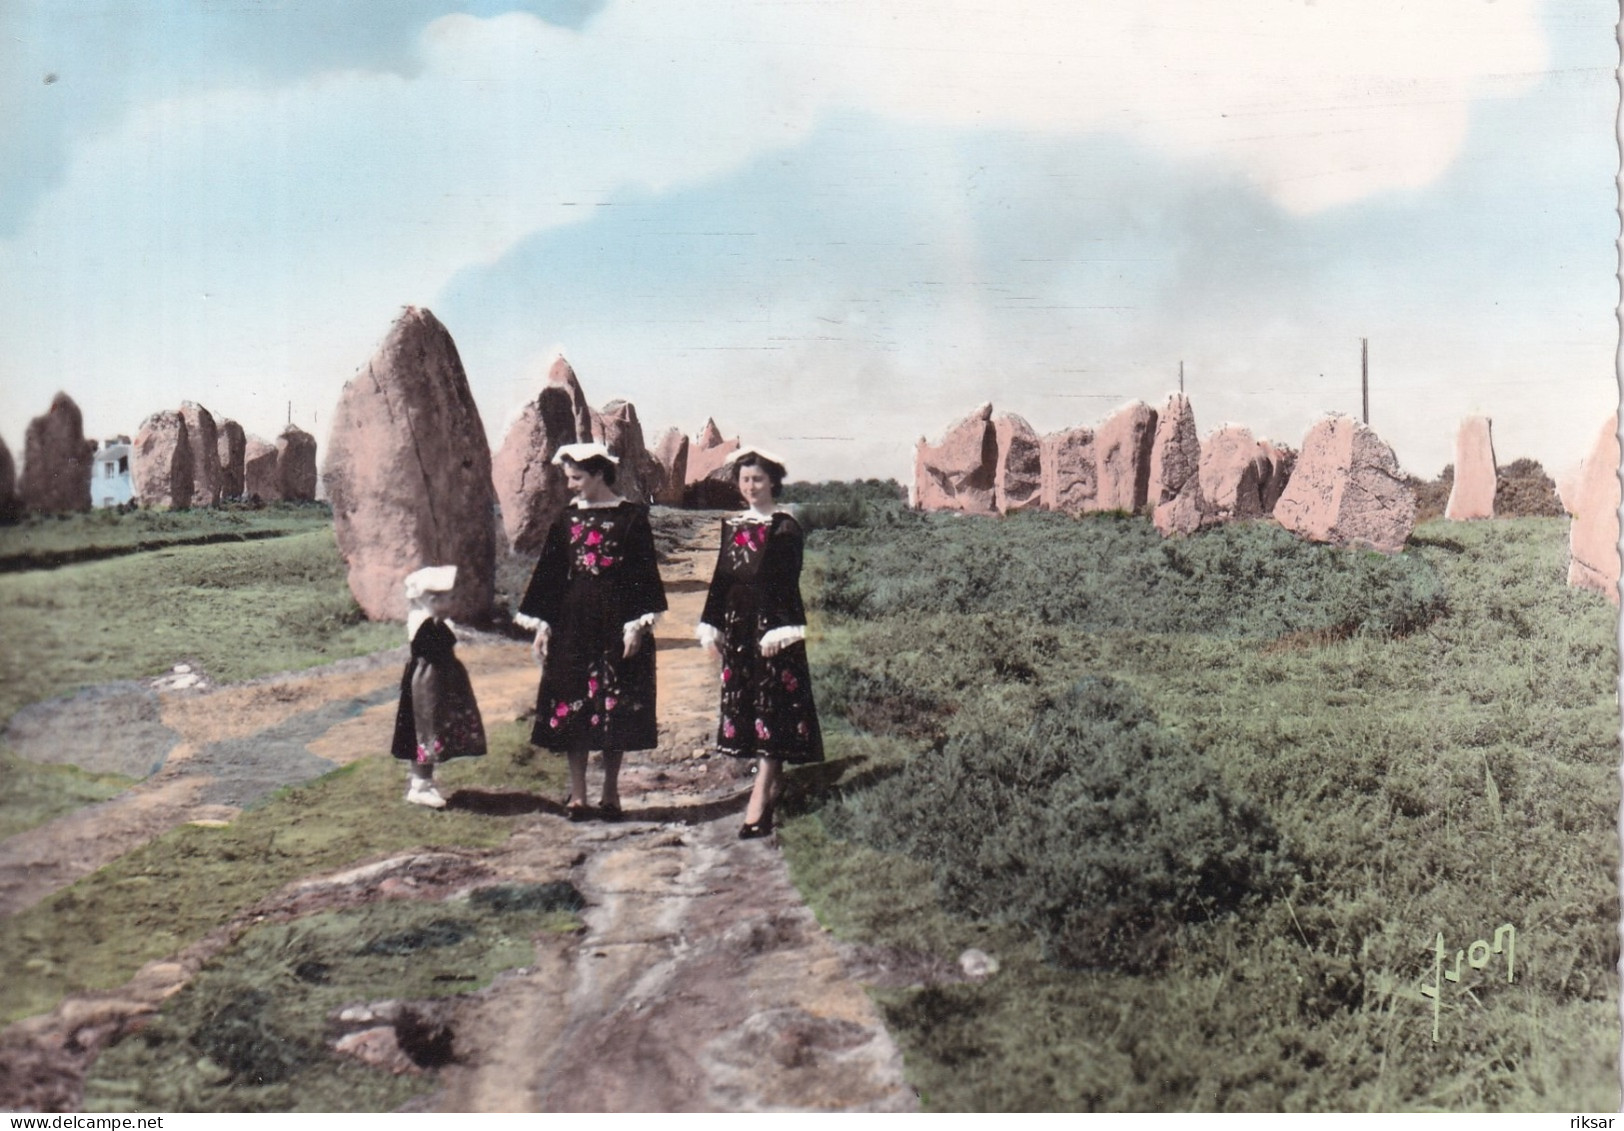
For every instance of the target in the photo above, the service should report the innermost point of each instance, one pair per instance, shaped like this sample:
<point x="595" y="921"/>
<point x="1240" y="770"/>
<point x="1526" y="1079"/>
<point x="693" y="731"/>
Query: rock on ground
<point x="1593" y="535"/>
<point x="1476" y="476"/>
<point x="959" y="470"/>
<point x="409" y="473"/>
<point x="1018" y="474"/>
<point x="530" y="489"/>
<point x="709" y="481"/>
<point x="622" y="434"/>
<point x="57" y="461"/>
<point x="1122" y="452"/>
<point x="296" y="465"/>
<point x="1230" y="474"/>
<point x="204" y="439"/>
<point x="671" y="453"/>
<point x="1280" y="460"/>
<point x="231" y="449"/>
<point x="259" y="470"/>
<point x="161" y="462"/>
<point x="1348" y="490"/>
<point x="11" y="505"/>
<point x="1068" y="471"/>
<point x="1175" y="452"/>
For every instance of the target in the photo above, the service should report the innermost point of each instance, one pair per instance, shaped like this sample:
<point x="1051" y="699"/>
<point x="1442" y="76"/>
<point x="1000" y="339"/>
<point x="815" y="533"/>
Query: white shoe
<point x="421" y="791"/>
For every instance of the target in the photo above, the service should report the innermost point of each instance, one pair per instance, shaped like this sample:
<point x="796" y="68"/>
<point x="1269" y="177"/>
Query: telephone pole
<point x="1364" y="377"/>
<point x="1181" y="376"/>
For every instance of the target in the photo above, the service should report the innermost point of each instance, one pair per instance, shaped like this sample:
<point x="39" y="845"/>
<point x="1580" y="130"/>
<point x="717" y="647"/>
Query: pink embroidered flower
<point x="553" y="723"/>
<point x="727" y="674"/>
<point x="576" y="531"/>
<point x="606" y="561"/>
<point x="728" y="730"/>
<point x="562" y="710"/>
<point x="591" y="685"/>
<point x="789" y="680"/>
<point x="741" y="538"/>
<point x="761" y="730"/>
<point x="593" y="537"/>
<point x="801" y="730"/>
<point x="608" y="702"/>
<point x="590" y="559"/>
<point x="594" y="720"/>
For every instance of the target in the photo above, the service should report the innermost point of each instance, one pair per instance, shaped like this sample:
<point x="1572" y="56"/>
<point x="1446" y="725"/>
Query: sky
<point x="834" y="226"/>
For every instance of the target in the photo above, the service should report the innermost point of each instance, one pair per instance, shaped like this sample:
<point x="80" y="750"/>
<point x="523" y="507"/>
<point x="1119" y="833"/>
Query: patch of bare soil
<point x="700" y="983"/>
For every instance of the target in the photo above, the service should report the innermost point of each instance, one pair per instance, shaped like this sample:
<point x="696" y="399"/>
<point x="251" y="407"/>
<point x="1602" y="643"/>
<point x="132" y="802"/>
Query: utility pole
<point x="1364" y="377"/>
<point x="1181" y="376"/>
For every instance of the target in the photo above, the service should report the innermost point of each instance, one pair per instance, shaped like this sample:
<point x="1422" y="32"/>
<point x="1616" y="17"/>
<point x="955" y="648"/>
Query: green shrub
<point x="1102" y="831"/>
<point x="1117" y="574"/>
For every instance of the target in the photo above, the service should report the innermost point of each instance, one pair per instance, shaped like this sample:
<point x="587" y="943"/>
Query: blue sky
<point x="832" y="226"/>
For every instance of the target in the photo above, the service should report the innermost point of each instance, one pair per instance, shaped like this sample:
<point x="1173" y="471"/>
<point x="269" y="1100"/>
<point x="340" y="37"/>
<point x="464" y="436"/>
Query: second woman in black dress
<point x="593" y="600"/>
<point x="755" y="622"/>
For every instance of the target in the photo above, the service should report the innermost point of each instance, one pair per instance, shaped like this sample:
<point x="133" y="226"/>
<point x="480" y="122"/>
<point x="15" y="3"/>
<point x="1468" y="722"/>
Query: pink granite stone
<point x="1175" y="451"/>
<point x="1347" y="489"/>
<point x="1276" y="462"/>
<point x="1593" y="534"/>
<point x="409" y="473"/>
<point x="709" y="477"/>
<point x="57" y="461"/>
<point x="1122" y="455"/>
<point x="1184" y="514"/>
<point x="259" y="470"/>
<point x="1231" y="467"/>
<point x="1068" y="471"/>
<point x="204" y="437"/>
<point x="530" y="489"/>
<point x="296" y="466"/>
<point x="671" y="452"/>
<point x="161" y="462"/>
<point x="1472" y="496"/>
<point x="1018" y="472"/>
<point x="958" y="471"/>
<point x="11" y="505"/>
<point x="230" y="450"/>
<point x="623" y="436"/>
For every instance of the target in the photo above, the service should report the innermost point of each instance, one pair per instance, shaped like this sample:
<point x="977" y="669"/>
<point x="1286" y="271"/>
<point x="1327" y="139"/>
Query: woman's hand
<point x="772" y="647"/>
<point x="538" y="646"/>
<point x="633" y="638"/>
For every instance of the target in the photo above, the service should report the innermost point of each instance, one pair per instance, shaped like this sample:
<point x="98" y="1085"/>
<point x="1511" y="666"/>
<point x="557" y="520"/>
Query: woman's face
<point x="581" y="481"/>
<point x="756" y="486"/>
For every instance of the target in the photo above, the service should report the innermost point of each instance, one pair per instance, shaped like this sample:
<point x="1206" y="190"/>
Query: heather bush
<point x="1104" y="832"/>
<point x="1106" y="574"/>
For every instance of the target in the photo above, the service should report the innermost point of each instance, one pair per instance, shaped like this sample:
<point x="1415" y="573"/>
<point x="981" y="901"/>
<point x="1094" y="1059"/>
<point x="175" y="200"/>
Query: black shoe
<point x="577" y="813"/>
<point x="610" y="811"/>
<point x="752" y="830"/>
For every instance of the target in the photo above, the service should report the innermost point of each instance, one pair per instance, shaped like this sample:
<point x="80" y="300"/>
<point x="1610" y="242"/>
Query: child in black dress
<point x="437" y="718"/>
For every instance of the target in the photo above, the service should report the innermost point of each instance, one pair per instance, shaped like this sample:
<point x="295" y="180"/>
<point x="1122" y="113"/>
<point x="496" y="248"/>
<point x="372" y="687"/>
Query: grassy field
<point x="46" y="541"/>
<point x="1432" y="739"/>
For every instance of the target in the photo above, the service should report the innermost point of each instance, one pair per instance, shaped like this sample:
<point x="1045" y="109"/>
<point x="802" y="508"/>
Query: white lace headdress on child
<point x="419" y="585"/>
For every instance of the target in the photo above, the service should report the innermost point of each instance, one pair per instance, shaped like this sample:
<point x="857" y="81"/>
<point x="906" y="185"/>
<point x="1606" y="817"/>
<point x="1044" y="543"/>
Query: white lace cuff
<point x="525" y="620"/>
<point x="647" y="620"/>
<point x="709" y="635"/>
<point x="788" y="634"/>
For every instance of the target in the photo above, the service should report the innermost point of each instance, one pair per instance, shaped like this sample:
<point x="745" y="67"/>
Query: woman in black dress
<point x="592" y="602"/>
<point x="755" y="623"/>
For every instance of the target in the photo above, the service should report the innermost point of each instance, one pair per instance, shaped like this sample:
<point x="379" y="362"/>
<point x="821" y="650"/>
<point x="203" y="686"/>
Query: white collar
<point x="581" y="504"/>
<point x="753" y="515"/>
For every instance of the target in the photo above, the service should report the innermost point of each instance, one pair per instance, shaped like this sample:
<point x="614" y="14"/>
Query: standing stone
<point x="161" y="462"/>
<point x="296" y="466"/>
<point x="1018" y="472"/>
<point x="11" y="506"/>
<point x="671" y="452"/>
<point x="1068" y="471"/>
<point x="1186" y="513"/>
<point x="1232" y="468"/>
<point x="958" y="471"/>
<point x="1348" y="490"/>
<point x="1593" y="534"/>
<point x="623" y="436"/>
<point x="409" y="473"/>
<point x="530" y="489"/>
<point x="1476" y="476"/>
<point x="1279" y="459"/>
<point x="231" y="449"/>
<point x="259" y="471"/>
<point x="1122" y="452"/>
<point x="710" y="480"/>
<point x="204" y="439"/>
<point x="57" y="461"/>
<point x="1175" y="451"/>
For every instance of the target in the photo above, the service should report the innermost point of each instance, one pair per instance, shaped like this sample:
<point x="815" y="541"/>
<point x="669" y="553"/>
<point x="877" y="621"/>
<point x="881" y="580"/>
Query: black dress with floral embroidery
<point x="767" y="707"/>
<point x="596" y="573"/>
<point x="460" y="732"/>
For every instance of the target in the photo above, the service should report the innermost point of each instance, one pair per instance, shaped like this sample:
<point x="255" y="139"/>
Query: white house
<point x="110" y="473"/>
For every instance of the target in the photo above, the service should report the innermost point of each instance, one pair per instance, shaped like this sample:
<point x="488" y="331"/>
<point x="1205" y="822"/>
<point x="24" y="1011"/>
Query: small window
<point x="123" y="465"/>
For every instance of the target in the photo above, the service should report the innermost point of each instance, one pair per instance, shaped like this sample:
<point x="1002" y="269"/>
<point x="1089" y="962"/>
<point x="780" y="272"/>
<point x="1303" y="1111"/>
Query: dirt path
<point x="701" y="982"/>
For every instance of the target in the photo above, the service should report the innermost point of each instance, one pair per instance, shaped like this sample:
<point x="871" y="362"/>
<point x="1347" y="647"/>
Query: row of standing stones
<point x="178" y="459"/>
<point x="413" y="482"/>
<point x="1343" y="485"/>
